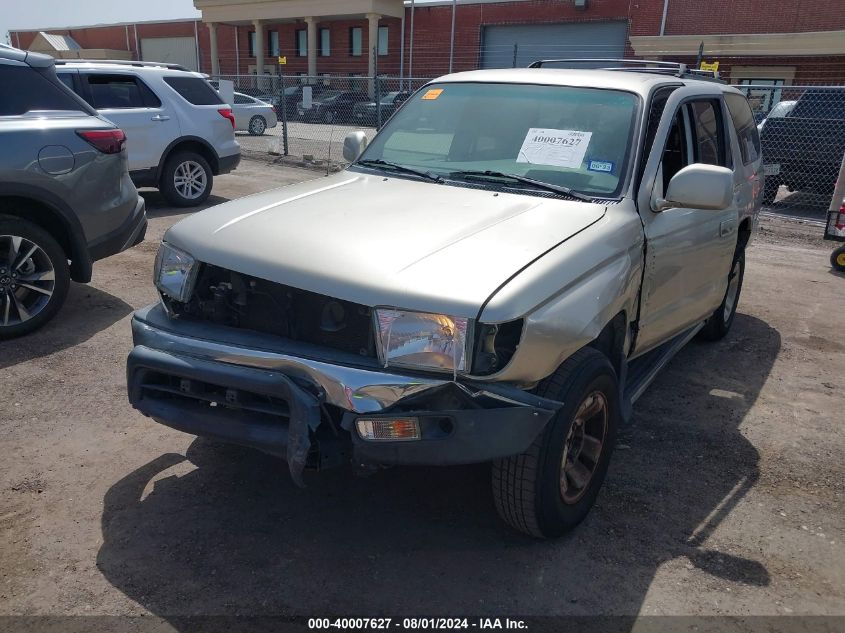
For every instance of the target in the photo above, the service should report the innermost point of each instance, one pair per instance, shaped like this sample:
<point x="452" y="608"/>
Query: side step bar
<point x="643" y="370"/>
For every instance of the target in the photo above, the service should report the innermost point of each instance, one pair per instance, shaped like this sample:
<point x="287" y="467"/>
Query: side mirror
<point x="354" y="145"/>
<point x="699" y="186"/>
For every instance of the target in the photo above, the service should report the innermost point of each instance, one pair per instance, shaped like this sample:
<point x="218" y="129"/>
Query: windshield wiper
<point x="498" y="175"/>
<point x="378" y="162"/>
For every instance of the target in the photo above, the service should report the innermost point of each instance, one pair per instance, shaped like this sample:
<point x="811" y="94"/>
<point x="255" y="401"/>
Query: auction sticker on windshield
<point x="559" y="148"/>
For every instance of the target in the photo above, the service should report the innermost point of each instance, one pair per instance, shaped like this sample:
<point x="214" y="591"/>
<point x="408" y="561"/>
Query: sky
<point x="42" y="14"/>
<point x="37" y="14"/>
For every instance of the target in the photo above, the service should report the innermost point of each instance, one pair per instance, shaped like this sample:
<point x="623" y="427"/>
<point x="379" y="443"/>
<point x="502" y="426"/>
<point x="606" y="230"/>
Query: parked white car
<point x="779" y="111"/>
<point x="253" y="115"/>
<point x="179" y="132"/>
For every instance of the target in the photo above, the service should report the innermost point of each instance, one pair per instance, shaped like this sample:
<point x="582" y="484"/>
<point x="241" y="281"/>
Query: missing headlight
<point x="495" y="345"/>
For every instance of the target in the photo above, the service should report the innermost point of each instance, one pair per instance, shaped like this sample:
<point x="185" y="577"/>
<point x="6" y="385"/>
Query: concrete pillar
<point x="215" y="57"/>
<point x="372" y="48"/>
<point x="312" y="46"/>
<point x="259" y="47"/>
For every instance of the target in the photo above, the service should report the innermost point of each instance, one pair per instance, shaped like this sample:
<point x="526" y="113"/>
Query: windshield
<point x="329" y="96"/>
<point x="572" y="137"/>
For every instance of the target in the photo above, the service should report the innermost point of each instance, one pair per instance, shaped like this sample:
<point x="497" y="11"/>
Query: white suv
<point x="179" y="133"/>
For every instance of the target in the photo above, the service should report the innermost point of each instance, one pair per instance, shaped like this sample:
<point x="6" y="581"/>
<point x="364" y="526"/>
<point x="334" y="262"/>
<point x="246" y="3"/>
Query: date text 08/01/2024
<point x="417" y="623"/>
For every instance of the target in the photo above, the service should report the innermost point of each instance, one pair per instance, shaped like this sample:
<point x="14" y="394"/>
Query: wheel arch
<point x="744" y="235"/>
<point x="194" y="144"/>
<point x="52" y="214"/>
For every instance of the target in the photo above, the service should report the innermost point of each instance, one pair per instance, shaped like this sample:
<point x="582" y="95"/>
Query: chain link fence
<point x="802" y="128"/>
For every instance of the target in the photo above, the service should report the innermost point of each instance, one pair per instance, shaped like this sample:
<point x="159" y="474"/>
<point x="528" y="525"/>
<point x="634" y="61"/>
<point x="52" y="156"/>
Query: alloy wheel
<point x="583" y="447"/>
<point x="27" y="280"/>
<point x="190" y="179"/>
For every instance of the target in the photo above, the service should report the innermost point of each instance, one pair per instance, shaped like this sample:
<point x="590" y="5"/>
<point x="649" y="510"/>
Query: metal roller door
<point x="173" y="50"/>
<point x="519" y="45"/>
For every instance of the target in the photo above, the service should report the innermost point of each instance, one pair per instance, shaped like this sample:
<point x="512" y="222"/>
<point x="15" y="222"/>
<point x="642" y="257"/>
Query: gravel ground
<point x="725" y="497"/>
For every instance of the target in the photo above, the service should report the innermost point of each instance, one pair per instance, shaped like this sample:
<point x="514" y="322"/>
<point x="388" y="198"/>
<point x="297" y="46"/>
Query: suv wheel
<point x="329" y="116"/>
<point x="719" y="323"/>
<point x="550" y="488"/>
<point x="34" y="277"/>
<point x="257" y="125"/>
<point x="186" y="180"/>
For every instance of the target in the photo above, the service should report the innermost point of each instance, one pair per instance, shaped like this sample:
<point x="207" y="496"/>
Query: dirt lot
<point x="726" y="496"/>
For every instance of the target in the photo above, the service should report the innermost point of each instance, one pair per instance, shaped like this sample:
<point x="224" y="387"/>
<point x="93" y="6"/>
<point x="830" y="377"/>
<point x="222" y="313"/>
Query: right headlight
<point x="420" y="340"/>
<point x="175" y="272"/>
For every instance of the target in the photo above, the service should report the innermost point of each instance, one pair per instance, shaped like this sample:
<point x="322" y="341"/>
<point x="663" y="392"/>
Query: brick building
<point x="755" y="41"/>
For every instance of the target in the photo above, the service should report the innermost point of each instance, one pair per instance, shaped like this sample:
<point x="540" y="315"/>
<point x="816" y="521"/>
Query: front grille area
<point x="236" y="300"/>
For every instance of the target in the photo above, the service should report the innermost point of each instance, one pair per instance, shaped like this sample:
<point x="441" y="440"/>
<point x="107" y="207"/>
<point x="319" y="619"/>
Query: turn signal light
<point x="394" y="429"/>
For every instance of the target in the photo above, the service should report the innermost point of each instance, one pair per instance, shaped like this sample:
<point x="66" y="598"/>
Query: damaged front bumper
<point x="297" y="402"/>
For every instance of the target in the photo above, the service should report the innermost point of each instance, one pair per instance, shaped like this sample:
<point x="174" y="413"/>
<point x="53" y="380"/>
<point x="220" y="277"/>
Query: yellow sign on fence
<point x="283" y="60"/>
<point x="714" y="66"/>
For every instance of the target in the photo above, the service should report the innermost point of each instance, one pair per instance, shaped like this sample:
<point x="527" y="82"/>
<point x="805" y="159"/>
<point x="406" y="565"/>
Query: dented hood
<point x="376" y="240"/>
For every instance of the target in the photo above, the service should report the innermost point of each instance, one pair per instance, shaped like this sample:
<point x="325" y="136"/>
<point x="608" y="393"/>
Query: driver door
<point x="689" y="251"/>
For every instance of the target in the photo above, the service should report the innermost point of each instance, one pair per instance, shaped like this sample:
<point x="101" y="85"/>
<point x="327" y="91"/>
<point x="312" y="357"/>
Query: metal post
<point x="515" y="53"/>
<point x="401" y="51"/>
<point x="411" y="51"/>
<point x="700" y="55"/>
<point x="452" y="41"/>
<point x="284" y="103"/>
<point x="378" y="103"/>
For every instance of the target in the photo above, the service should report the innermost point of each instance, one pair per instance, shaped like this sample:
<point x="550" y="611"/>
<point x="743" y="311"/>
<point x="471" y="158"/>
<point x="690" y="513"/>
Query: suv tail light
<point x="107" y="141"/>
<point x="227" y="113"/>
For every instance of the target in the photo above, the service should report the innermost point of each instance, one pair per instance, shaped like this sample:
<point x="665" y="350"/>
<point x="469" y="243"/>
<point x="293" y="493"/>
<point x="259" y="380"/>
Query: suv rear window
<point x="26" y="90"/>
<point x="194" y="90"/>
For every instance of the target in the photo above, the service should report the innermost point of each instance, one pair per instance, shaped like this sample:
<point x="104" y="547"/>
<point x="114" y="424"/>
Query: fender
<point x="183" y="139"/>
<point x="81" y="263"/>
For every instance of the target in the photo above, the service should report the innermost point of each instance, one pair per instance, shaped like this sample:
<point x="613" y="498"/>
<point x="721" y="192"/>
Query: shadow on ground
<point x="158" y="207"/>
<point x="222" y="530"/>
<point x="86" y="312"/>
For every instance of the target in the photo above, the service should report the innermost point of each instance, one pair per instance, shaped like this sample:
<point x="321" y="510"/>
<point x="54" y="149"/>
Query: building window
<point x="251" y="40"/>
<point x="382" y="40"/>
<point x="302" y="43"/>
<point x="273" y="44"/>
<point x="325" y="42"/>
<point x="355" y="38"/>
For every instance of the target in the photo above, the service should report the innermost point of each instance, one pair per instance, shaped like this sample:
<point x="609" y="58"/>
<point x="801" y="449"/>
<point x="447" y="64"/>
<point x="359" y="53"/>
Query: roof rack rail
<point x="124" y="62"/>
<point x="660" y="67"/>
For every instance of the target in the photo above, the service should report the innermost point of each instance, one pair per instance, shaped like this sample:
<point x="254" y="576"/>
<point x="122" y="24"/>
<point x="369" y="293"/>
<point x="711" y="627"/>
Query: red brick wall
<point x="752" y="16"/>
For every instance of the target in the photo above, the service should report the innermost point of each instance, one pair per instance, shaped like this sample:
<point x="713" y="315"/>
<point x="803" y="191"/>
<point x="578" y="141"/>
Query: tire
<point x="329" y="117"/>
<point x="257" y="125"/>
<point x="527" y="488"/>
<point x="182" y="164"/>
<point x="719" y="324"/>
<point x="837" y="259"/>
<point x="770" y="190"/>
<point x="47" y="260"/>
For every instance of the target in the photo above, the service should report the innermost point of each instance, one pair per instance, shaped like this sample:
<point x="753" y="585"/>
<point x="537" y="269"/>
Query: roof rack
<point x="673" y="69"/>
<point x="124" y="62"/>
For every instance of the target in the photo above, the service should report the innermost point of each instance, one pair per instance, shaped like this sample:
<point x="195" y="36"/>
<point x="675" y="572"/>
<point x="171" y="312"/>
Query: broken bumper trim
<point x="485" y="421"/>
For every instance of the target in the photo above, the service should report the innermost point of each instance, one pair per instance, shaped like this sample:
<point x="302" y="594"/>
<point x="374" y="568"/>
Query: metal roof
<point x="60" y="42"/>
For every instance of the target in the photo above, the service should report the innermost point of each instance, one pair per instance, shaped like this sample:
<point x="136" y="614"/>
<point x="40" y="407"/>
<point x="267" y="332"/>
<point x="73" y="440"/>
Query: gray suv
<point x="66" y="199"/>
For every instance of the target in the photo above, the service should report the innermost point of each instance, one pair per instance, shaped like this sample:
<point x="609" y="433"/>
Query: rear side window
<point x="110" y="92"/>
<point x="746" y="128"/>
<point x="194" y="90"/>
<point x="26" y="90"/>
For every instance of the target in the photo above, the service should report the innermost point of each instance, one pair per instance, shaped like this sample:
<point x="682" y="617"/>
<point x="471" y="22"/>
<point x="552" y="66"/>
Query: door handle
<point x="161" y="117"/>
<point x="727" y="228"/>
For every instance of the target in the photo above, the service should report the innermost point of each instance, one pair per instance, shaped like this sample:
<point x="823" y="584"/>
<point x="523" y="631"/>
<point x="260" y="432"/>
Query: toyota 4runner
<point x="496" y="278"/>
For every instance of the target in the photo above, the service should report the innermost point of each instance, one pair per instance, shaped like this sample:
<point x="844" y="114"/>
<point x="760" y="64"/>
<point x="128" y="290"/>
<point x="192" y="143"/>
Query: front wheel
<point x="719" y="324"/>
<point x="549" y="489"/>
<point x="329" y="116"/>
<point x="837" y="259"/>
<point x="186" y="179"/>
<point x="34" y="277"/>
